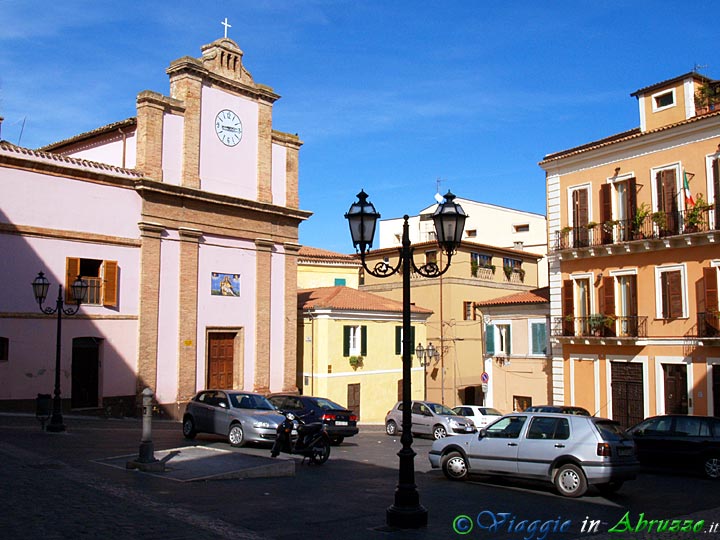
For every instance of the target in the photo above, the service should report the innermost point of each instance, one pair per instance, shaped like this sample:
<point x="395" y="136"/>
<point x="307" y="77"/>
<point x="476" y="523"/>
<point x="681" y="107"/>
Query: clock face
<point x="228" y="127"/>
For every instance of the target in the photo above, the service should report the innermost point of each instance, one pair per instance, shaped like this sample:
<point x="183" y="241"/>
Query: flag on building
<point x="689" y="201"/>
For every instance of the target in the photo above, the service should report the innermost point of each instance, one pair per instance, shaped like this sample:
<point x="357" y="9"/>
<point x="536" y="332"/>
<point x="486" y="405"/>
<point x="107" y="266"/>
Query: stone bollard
<point x="147" y="451"/>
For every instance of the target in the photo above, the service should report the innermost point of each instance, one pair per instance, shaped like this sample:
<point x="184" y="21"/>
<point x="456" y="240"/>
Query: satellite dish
<point x="439" y="198"/>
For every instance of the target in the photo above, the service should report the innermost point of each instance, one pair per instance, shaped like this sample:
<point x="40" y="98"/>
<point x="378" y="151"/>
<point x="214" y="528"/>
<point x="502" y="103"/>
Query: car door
<point x="202" y="412"/>
<point x="422" y="418"/>
<point x="495" y="450"/>
<point x="221" y="414"/>
<point x="686" y="443"/>
<point x="545" y="439"/>
<point x="652" y="440"/>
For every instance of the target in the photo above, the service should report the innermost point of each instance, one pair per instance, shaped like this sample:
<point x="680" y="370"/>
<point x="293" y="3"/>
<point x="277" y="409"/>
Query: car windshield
<point x="327" y="405"/>
<point x="490" y="410"/>
<point x="251" y="401"/>
<point x="437" y="408"/>
<point x="611" y="430"/>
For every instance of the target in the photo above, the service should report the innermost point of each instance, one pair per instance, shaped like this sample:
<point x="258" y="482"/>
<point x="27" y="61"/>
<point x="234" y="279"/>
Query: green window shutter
<point x="489" y="339"/>
<point x="509" y="340"/>
<point x="539" y="338"/>
<point x="398" y="340"/>
<point x="346" y="341"/>
<point x="412" y="340"/>
<point x="363" y="341"/>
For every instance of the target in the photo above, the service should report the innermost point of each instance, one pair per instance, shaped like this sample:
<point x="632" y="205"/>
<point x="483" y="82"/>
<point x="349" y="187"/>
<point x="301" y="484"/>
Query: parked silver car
<point x="481" y="416"/>
<point x="241" y="416"/>
<point x="428" y="418"/>
<point x="568" y="450"/>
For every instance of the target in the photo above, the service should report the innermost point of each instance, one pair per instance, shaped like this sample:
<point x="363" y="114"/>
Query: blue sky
<point x="389" y="96"/>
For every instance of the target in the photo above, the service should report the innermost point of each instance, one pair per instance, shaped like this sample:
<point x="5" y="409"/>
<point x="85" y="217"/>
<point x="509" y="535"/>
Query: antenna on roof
<point x="698" y="67"/>
<point x="22" y="128"/>
<point x="439" y="198"/>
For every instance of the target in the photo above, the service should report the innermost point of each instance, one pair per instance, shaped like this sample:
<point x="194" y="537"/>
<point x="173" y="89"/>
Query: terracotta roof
<point x="536" y="296"/>
<point x="693" y="74"/>
<point x="12" y="151"/>
<point x="621" y="137"/>
<point x="109" y="128"/>
<point x="347" y="298"/>
<point x="308" y="253"/>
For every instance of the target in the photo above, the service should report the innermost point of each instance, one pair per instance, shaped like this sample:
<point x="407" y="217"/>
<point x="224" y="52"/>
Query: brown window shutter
<point x="72" y="271"/>
<point x="608" y="295"/>
<point x="606" y="212"/>
<point x="632" y="198"/>
<point x="633" y="296"/>
<point x="711" y="289"/>
<point x="672" y="295"/>
<point x="110" y="283"/>
<point x="568" y="306"/>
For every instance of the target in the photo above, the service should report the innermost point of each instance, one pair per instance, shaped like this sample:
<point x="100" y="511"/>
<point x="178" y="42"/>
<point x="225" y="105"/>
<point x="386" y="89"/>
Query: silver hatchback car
<point x="241" y="416"/>
<point x="567" y="450"/>
<point x="428" y="418"/>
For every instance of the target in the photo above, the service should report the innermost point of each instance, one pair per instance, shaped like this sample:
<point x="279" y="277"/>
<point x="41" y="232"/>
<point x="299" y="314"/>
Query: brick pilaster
<point x="150" y="234"/>
<point x="290" y="369"/>
<point x="292" y="198"/>
<point x="188" y="306"/>
<point x="263" y="292"/>
<point x="150" y="110"/>
<point x="188" y="88"/>
<point x="264" y="173"/>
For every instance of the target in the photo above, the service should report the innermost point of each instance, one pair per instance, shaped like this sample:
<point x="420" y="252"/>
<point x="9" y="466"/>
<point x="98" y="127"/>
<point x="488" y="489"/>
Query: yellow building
<point x="322" y="268"/>
<point x="632" y="223"/>
<point x="518" y="358"/>
<point x="478" y="272"/>
<point x="350" y="349"/>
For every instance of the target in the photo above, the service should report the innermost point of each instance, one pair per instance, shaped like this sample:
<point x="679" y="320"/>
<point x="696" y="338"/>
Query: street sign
<point x="484" y="388"/>
<point x="484" y="378"/>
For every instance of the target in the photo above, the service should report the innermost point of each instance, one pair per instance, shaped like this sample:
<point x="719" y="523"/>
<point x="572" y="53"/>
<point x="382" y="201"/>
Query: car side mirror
<point x="481" y="433"/>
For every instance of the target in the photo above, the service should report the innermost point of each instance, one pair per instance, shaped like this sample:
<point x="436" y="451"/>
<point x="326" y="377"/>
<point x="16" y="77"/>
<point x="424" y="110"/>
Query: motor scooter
<point x="312" y="439"/>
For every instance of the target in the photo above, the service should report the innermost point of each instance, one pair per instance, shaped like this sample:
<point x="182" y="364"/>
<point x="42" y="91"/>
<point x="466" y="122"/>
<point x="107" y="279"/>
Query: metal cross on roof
<point x="226" y="25"/>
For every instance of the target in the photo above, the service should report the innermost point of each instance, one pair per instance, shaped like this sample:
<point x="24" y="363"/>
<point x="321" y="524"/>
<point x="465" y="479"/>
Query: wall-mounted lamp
<point x="617" y="170"/>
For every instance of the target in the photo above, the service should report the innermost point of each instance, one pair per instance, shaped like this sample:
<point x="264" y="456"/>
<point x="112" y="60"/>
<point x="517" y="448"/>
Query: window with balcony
<point x="618" y="202"/>
<point x="101" y="277"/>
<point x="579" y="198"/>
<point x="709" y="314"/>
<point x="576" y="302"/>
<point x="666" y="218"/>
<point x="671" y="297"/>
<point x="618" y="296"/>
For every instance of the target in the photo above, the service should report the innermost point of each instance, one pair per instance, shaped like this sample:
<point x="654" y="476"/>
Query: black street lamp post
<point x="79" y="292"/>
<point x="449" y="219"/>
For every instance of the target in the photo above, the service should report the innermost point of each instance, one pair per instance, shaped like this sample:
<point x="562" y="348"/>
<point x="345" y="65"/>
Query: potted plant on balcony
<point x="474" y="265"/>
<point x="508" y="271"/>
<point x="695" y="216"/>
<point x="356" y="362"/>
<point x="596" y="323"/>
<point x="641" y="214"/>
<point x="660" y="219"/>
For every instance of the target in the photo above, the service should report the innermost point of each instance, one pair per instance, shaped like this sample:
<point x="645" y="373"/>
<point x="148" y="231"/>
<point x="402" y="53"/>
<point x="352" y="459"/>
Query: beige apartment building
<point x="633" y="236"/>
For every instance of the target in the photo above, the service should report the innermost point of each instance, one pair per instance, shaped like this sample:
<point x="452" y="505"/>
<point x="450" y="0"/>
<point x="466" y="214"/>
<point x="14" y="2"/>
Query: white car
<point x="481" y="416"/>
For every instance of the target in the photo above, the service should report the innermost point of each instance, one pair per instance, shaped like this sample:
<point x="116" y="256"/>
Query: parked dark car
<point x="339" y="421"/>
<point x="691" y="442"/>
<point x="562" y="409"/>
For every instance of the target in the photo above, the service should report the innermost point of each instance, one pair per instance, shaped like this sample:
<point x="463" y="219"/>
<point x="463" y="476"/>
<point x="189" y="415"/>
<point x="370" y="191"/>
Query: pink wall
<point x="167" y="354"/>
<point x="173" y="125"/>
<point x="109" y="151"/>
<point x="279" y="174"/>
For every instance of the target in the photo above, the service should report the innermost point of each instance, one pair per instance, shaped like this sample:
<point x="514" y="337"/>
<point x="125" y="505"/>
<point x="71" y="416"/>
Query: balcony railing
<point x="600" y="326"/>
<point x="653" y="225"/>
<point x="708" y="324"/>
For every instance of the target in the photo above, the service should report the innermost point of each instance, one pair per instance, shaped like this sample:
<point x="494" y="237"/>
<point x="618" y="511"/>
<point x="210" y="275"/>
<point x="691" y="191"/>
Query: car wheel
<point x="337" y="441"/>
<point x="454" y="466"/>
<point x="439" y="432"/>
<point x="236" y="435"/>
<point x="570" y="480"/>
<point x="391" y="428"/>
<point x="320" y="452"/>
<point x="188" y="428"/>
<point x="712" y="467"/>
<point x="609" y="487"/>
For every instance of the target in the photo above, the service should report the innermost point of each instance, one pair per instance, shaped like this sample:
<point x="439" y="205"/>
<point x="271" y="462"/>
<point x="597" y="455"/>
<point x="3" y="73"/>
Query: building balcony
<point x="690" y="225"/>
<point x="601" y="326"/>
<point x="708" y="324"/>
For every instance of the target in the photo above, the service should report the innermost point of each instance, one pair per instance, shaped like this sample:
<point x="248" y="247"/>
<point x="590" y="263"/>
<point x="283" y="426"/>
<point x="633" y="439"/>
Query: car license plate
<point x="341" y="423"/>
<point x="625" y="451"/>
<point x="468" y="428"/>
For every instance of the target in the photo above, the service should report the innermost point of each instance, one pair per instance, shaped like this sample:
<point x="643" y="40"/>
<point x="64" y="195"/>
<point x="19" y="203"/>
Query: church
<point x="183" y="221"/>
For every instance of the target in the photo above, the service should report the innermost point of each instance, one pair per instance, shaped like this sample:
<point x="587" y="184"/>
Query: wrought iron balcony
<point x="708" y="324"/>
<point x="599" y="325"/>
<point x="701" y="218"/>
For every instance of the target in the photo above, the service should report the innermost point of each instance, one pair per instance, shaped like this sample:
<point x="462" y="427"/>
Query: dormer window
<point x="663" y="100"/>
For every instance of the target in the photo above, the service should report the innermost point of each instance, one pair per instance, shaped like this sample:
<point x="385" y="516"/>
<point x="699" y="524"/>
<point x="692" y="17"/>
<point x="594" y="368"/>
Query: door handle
<point x="512" y="444"/>
<point x="559" y="446"/>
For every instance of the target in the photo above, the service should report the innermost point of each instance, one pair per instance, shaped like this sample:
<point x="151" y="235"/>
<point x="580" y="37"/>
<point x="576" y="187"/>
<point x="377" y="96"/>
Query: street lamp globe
<point x="362" y="218"/>
<point x="40" y="288"/>
<point x="79" y="290"/>
<point x="449" y="219"/>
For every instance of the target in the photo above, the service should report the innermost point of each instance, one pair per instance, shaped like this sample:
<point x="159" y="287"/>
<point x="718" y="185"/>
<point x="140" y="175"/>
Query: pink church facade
<point x="184" y="222"/>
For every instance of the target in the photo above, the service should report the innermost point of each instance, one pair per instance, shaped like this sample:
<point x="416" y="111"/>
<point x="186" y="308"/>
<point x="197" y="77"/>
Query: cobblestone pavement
<point x="54" y="486"/>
